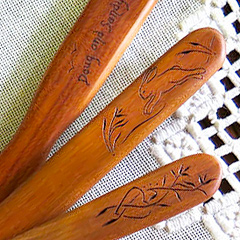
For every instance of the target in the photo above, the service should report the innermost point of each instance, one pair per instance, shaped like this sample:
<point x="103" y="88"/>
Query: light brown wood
<point x="153" y="198"/>
<point x="123" y="124"/>
<point x="81" y="65"/>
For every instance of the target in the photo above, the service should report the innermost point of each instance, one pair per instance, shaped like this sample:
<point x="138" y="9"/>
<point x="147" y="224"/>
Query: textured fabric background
<point x="30" y="34"/>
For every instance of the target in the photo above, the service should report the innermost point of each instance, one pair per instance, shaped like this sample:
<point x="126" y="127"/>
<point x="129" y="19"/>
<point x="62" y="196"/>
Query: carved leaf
<point x="153" y="196"/>
<point x="118" y="126"/>
<point x="164" y="180"/>
<point x="208" y="181"/>
<point x="187" y="51"/>
<point x="163" y="205"/>
<point x="123" y="124"/>
<point x="120" y="121"/>
<point x="200" y="179"/>
<point x="120" y="115"/>
<point x="178" y="196"/>
<point x="180" y="169"/>
<point x="189" y="183"/>
<point x="110" y="222"/>
<point x="173" y="173"/>
<point x="187" y="168"/>
<point x="199" y="44"/>
<point x="104" y="210"/>
<point x="194" y="43"/>
<point x="104" y="124"/>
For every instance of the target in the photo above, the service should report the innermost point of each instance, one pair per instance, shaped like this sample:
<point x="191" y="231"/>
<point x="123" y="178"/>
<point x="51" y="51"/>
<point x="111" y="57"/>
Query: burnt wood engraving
<point x="100" y="38"/>
<point x="140" y="202"/>
<point x="118" y="121"/>
<point x="202" y="49"/>
<point x="152" y="96"/>
<point x="199" y="48"/>
<point x="143" y="122"/>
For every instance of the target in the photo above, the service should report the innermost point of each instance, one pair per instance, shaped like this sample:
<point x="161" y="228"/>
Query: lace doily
<point x="210" y="122"/>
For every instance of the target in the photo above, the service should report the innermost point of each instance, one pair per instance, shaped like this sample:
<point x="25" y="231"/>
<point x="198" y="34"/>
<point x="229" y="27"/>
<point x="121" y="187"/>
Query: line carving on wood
<point x="140" y="202"/>
<point x="100" y="35"/>
<point x="118" y="121"/>
<point x="151" y="93"/>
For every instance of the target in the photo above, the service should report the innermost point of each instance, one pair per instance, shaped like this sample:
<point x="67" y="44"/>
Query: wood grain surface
<point x="81" y="65"/>
<point x="119" y="128"/>
<point x="146" y="201"/>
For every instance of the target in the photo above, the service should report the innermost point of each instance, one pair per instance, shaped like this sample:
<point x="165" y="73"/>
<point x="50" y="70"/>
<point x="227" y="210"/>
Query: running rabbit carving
<point x="152" y="95"/>
<point x="156" y="82"/>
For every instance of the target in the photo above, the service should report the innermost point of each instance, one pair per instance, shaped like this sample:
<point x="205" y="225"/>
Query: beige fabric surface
<point x="30" y="34"/>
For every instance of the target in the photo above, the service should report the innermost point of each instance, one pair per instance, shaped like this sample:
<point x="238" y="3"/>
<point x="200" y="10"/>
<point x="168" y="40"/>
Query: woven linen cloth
<point x="30" y="34"/>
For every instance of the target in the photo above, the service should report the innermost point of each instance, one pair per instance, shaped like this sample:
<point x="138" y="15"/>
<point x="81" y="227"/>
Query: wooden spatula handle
<point x="146" y="201"/>
<point x="123" y="124"/>
<point x="81" y="65"/>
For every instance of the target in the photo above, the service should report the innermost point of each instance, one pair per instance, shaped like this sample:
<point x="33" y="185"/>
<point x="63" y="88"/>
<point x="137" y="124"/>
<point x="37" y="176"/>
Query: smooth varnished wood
<point x="81" y="65"/>
<point x="123" y="124"/>
<point x="155" y="197"/>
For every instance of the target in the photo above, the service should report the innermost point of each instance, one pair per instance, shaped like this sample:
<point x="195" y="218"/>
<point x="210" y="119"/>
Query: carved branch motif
<point x="143" y="200"/>
<point x="200" y="48"/>
<point x="151" y="95"/>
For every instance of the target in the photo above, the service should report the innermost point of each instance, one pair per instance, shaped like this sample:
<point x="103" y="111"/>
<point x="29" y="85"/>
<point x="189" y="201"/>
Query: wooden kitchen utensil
<point x="155" y="197"/>
<point x="109" y="137"/>
<point x="81" y="65"/>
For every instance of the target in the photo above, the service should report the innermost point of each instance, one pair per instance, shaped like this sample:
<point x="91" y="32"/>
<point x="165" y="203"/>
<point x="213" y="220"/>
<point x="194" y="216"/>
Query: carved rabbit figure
<point x="152" y="95"/>
<point x="187" y="67"/>
<point x="174" y="76"/>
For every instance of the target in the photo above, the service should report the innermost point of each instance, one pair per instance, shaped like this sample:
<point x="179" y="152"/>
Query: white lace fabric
<point x="30" y="33"/>
<point x="210" y="123"/>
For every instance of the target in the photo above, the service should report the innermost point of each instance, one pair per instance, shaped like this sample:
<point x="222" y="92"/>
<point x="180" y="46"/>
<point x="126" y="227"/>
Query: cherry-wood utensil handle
<point x="109" y="137"/>
<point x="81" y="65"/>
<point x="146" y="201"/>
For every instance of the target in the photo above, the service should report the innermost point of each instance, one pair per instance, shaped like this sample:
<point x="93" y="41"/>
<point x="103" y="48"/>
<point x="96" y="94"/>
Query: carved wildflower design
<point x="139" y="202"/>
<point x="111" y="134"/>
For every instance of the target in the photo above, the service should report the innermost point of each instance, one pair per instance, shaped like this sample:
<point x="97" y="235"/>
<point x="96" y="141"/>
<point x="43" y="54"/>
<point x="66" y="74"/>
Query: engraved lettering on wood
<point x="140" y="202"/>
<point x="117" y="9"/>
<point x="83" y="77"/>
